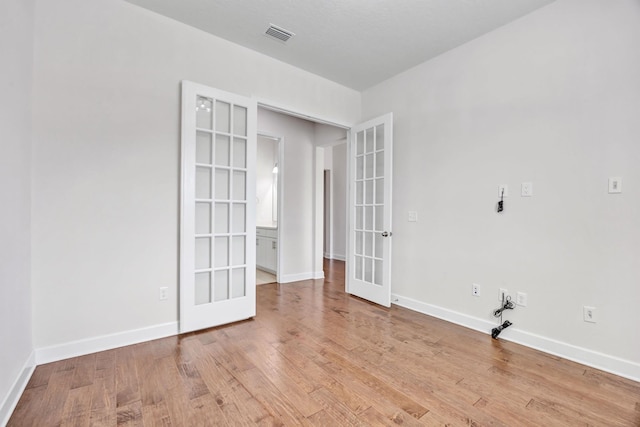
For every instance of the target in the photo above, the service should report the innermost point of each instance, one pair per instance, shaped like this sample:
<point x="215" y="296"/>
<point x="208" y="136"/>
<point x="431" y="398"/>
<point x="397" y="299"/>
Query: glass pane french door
<point x="369" y="266"/>
<point x="217" y="265"/>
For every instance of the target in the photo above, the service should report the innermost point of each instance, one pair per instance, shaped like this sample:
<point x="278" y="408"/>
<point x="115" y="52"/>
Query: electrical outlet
<point x="502" y="295"/>
<point x="475" y="290"/>
<point x="164" y="293"/>
<point x="615" y="184"/>
<point x="527" y="189"/>
<point x="521" y="299"/>
<point x="589" y="314"/>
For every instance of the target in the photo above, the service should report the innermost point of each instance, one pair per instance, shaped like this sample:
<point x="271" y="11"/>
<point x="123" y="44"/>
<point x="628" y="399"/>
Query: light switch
<point x="527" y="189"/>
<point x="615" y="184"/>
<point x="413" y="216"/>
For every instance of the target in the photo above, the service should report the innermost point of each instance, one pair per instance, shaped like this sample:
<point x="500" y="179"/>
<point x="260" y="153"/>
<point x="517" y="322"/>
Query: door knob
<point x="386" y="233"/>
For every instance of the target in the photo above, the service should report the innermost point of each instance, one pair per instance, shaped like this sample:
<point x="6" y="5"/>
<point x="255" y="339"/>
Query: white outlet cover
<point x="521" y="299"/>
<point x="590" y="314"/>
<point x="413" y="216"/>
<point x="527" y="189"/>
<point x="475" y="290"/>
<point x="615" y="184"/>
<point x="503" y="291"/>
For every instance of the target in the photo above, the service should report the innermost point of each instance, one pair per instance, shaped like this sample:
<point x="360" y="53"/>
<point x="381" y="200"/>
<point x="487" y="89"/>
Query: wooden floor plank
<point x="314" y="355"/>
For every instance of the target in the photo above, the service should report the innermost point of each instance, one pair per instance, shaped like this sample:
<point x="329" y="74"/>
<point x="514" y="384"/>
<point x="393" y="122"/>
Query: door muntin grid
<point x="369" y="206"/>
<point x="220" y="201"/>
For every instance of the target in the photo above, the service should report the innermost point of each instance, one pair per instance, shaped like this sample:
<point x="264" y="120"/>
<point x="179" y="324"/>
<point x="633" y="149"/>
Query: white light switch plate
<point x="413" y="216"/>
<point x="527" y="189"/>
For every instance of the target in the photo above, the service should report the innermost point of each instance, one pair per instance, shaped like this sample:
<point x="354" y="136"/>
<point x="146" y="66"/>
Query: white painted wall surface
<point x="554" y="99"/>
<point x="333" y="140"/>
<point x="106" y="156"/>
<point x="296" y="222"/>
<point x="16" y="56"/>
<point x="339" y="207"/>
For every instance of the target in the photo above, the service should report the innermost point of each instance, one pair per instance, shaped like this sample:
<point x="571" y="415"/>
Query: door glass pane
<point x="238" y="256"/>
<point x="380" y="191"/>
<point x="369" y="139"/>
<point x="368" y="198"/>
<point x="203" y="253"/>
<point x="203" y="183"/>
<point x="359" y="167"/>
<point x="368" y="270"/>
<point x="221" y="253"/>
<point x="368" y="166"/>
<point x="378" y="273"/>
<point x="203" y="218"/>
<point x="359" y="192"/>
<point x="223" y="116"/>
<point x="239" y="185"/>
<point x="238" y="288"/>
<point x="368" y="218"/>
<point x="239" y="212"/>
<point x="222" y="184"/>
<point x="380" y="164"/>
<point x="222" y="218"/>
<point x="380" y="137"/>
<point x="358" y="267"/>
<point x="203" y="112"/>
<point x="359" y="222"/>
<point x="360" y="143"/>
<point x="239" y="153"/>
<point x="359" y="242"/>
<point x="239" y="120"/>
<point x="368" y="244"/>
<point x="221" y="285"/>
<point x="203" y="288"/>
<point x="379" y="245"/>
<point x="222" y="150"/>
<point x="203" y="147"/>
<point x="379" y="218"/>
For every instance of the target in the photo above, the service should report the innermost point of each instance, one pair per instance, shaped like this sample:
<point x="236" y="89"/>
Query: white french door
<point x="217" y="224"/>
<point x="369" y="254"/>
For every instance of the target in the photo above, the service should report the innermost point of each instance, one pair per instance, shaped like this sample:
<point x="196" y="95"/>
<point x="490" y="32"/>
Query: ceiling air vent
<point x="278" y="33"/>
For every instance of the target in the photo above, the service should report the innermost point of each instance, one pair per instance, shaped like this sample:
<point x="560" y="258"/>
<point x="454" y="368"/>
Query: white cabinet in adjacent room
<point x="267" y="249"/>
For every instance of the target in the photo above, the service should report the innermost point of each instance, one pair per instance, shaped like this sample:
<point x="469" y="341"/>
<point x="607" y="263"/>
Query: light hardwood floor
<point x="315" y="356"/>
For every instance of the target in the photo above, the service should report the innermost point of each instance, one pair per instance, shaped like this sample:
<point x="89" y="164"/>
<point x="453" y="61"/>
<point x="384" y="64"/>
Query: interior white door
<point x="217" y="224"/>
<point x="369" y="254"/>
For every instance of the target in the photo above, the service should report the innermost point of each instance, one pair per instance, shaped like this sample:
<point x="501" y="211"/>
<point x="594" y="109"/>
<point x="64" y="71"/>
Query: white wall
<point x="106" y="156"/>
<point x="333" y="141"/>
<point x="296" y="222"/>
<point x="267" y="157"/>
<point x="553" y="98"/>
<point x="339" y="206"/>
<point x="16" y="53"/>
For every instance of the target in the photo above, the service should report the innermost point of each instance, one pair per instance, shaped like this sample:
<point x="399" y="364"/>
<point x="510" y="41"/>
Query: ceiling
<point x="357" y="43"/>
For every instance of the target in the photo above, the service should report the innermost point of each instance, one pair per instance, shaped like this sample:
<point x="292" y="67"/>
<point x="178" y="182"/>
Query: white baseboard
<point x="288" y="278"/>
<point x="104" y="342"/>
<point x="339" y="257"/>
<point x="13" y="396"/>
<point x="594" y="359"/>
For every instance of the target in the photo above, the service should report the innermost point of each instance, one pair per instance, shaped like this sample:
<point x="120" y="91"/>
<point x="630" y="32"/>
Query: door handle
<point x="386" y="233"/>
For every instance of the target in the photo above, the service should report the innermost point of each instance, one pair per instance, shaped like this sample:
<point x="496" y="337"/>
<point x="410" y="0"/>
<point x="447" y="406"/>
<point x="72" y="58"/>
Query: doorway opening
<point x="269" y="169"/>
<point x="304" y="158"/>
